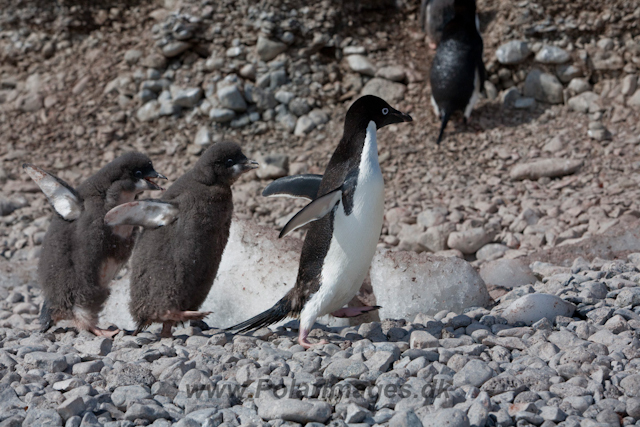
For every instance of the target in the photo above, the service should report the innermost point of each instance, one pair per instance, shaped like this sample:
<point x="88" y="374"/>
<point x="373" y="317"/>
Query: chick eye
<point x="138" y="174"/>
<point x="385" y="111"/>
<point x="229" y="163"/>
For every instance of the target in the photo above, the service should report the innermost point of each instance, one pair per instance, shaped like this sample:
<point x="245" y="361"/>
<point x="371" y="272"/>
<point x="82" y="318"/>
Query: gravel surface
<point x="562" y="350"/>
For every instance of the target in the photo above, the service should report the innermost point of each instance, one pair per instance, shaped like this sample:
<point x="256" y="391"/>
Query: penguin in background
<point x="345" y="220"/>
<point x="178" y="253"/>
<point x="80" y="254"/>
<point x="457" y="74"/>
<point x="433" y="16"/>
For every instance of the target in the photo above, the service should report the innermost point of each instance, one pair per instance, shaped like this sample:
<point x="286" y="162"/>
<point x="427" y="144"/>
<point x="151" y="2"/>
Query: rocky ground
<point x="561" y="351"/>
<point x="547" y="169"/>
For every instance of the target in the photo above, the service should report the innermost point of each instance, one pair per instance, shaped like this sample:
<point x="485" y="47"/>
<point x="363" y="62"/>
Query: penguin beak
<point x="400" y="117"/>
<point x="245" y="166"/>
<point x="396" y="116"/>
<point x="251" y="164"/>
<point x="150" y="184"/>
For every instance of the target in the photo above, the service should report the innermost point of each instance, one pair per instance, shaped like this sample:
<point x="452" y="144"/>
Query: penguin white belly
<point x="354" y="239"/>
<point x="475" y="96"/>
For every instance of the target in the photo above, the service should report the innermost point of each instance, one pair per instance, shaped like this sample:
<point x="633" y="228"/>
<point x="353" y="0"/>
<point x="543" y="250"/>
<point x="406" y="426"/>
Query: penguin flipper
<point x="145" y="213"/>
<point x="303" y="186"/>
<point x="64" y="199"/>
<point x="313" y="211"/>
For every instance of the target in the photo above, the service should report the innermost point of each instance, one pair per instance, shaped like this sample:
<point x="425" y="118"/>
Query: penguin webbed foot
<point x="166" y="330"/>
<point x="107" y="333"/>
<point x="354" y="311"/>
<point x="304" y="342"/>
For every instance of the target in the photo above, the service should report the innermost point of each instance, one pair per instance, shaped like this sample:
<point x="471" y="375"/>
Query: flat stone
<point x="631" y="385"/>
<point x="273" y="166"/>
<point x="132" y="56"/>
<point x="491" y="251"/>
<point x="469" y="241"/>
<point x="187" y="97"/>
<point x="295" y="410"/>
<point x="507" y="273"/>
<point x="578" y="86"/>
<point x="405" y="419"/>
<point x="71" y="407"/>
<point x="393" y="73"/>
<point x="124" y="395"/>
<point x="175" y="48"/>
<point x="633" y="407"/>
<point x="552" y="55"/>
<point x="585" y="102"/>
<point x="513" y="52"/>
<point x="543" y="87"/>
<point x="552" y="413"/>
<point x="149" y="111"/>
<point x="502" y="384"/>
<point x="360" y="64"/>
<point x="628" y="296"/>
<point x="524" y="103"/>
<point x="230" y="97"/>
<point x="49" y="362"/>
<point x="221" y="115"/>
<point x="344" y="368"/>
<point x="269" y="49"/>
<point x="423" y="339"/>
<point x="203" y="136"/>
<point x="389" y="91"/>
<point x="99" y="346"/>
<point x="629" y="84"/>
<point x="552" y="168"/>
<point x="304" y="125"/>
<point x="634" y="101"/>
<point x="449" y="417"/>
<point x="533" y="307"/>
<point x="148" y="412"/>
<point x="475" y="373"/>
<point x="567" y="72"/>
<point x="42" y="417"/>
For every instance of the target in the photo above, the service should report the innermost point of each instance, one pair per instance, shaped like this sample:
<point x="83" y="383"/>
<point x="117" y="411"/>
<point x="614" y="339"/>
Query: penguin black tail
<point x="46" y="321"/>
<point x="280" y="311"/>
<point x="445" y="119"/>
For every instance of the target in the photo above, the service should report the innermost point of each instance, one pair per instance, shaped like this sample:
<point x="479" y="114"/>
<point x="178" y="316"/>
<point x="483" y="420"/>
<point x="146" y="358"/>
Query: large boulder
<point x="406" y="283"/>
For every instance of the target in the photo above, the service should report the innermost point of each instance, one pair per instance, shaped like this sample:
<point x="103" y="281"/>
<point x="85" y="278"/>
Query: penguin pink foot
<point x="166" y="330"/>
<point x="304" y="342"/>
<point x="354" y="311"/>
<point x="108" y="333"/>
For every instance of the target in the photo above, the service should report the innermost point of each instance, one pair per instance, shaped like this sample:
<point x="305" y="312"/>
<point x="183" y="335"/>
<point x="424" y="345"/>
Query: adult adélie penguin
<point x="457" y="73"/>
<point x="345" y="220"/>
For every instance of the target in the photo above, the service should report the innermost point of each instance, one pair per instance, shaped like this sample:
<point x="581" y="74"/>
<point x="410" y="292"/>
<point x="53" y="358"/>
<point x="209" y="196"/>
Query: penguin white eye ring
<point x="385" y="111"/>
<point x="229" y="163"/>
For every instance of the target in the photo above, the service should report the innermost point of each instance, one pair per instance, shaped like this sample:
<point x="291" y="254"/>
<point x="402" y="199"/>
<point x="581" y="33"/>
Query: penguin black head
<point x="134" y="171"/>
<point x="371" y="108"/>
<point x="223" y="163"/>
<point x="465" y="9"/>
